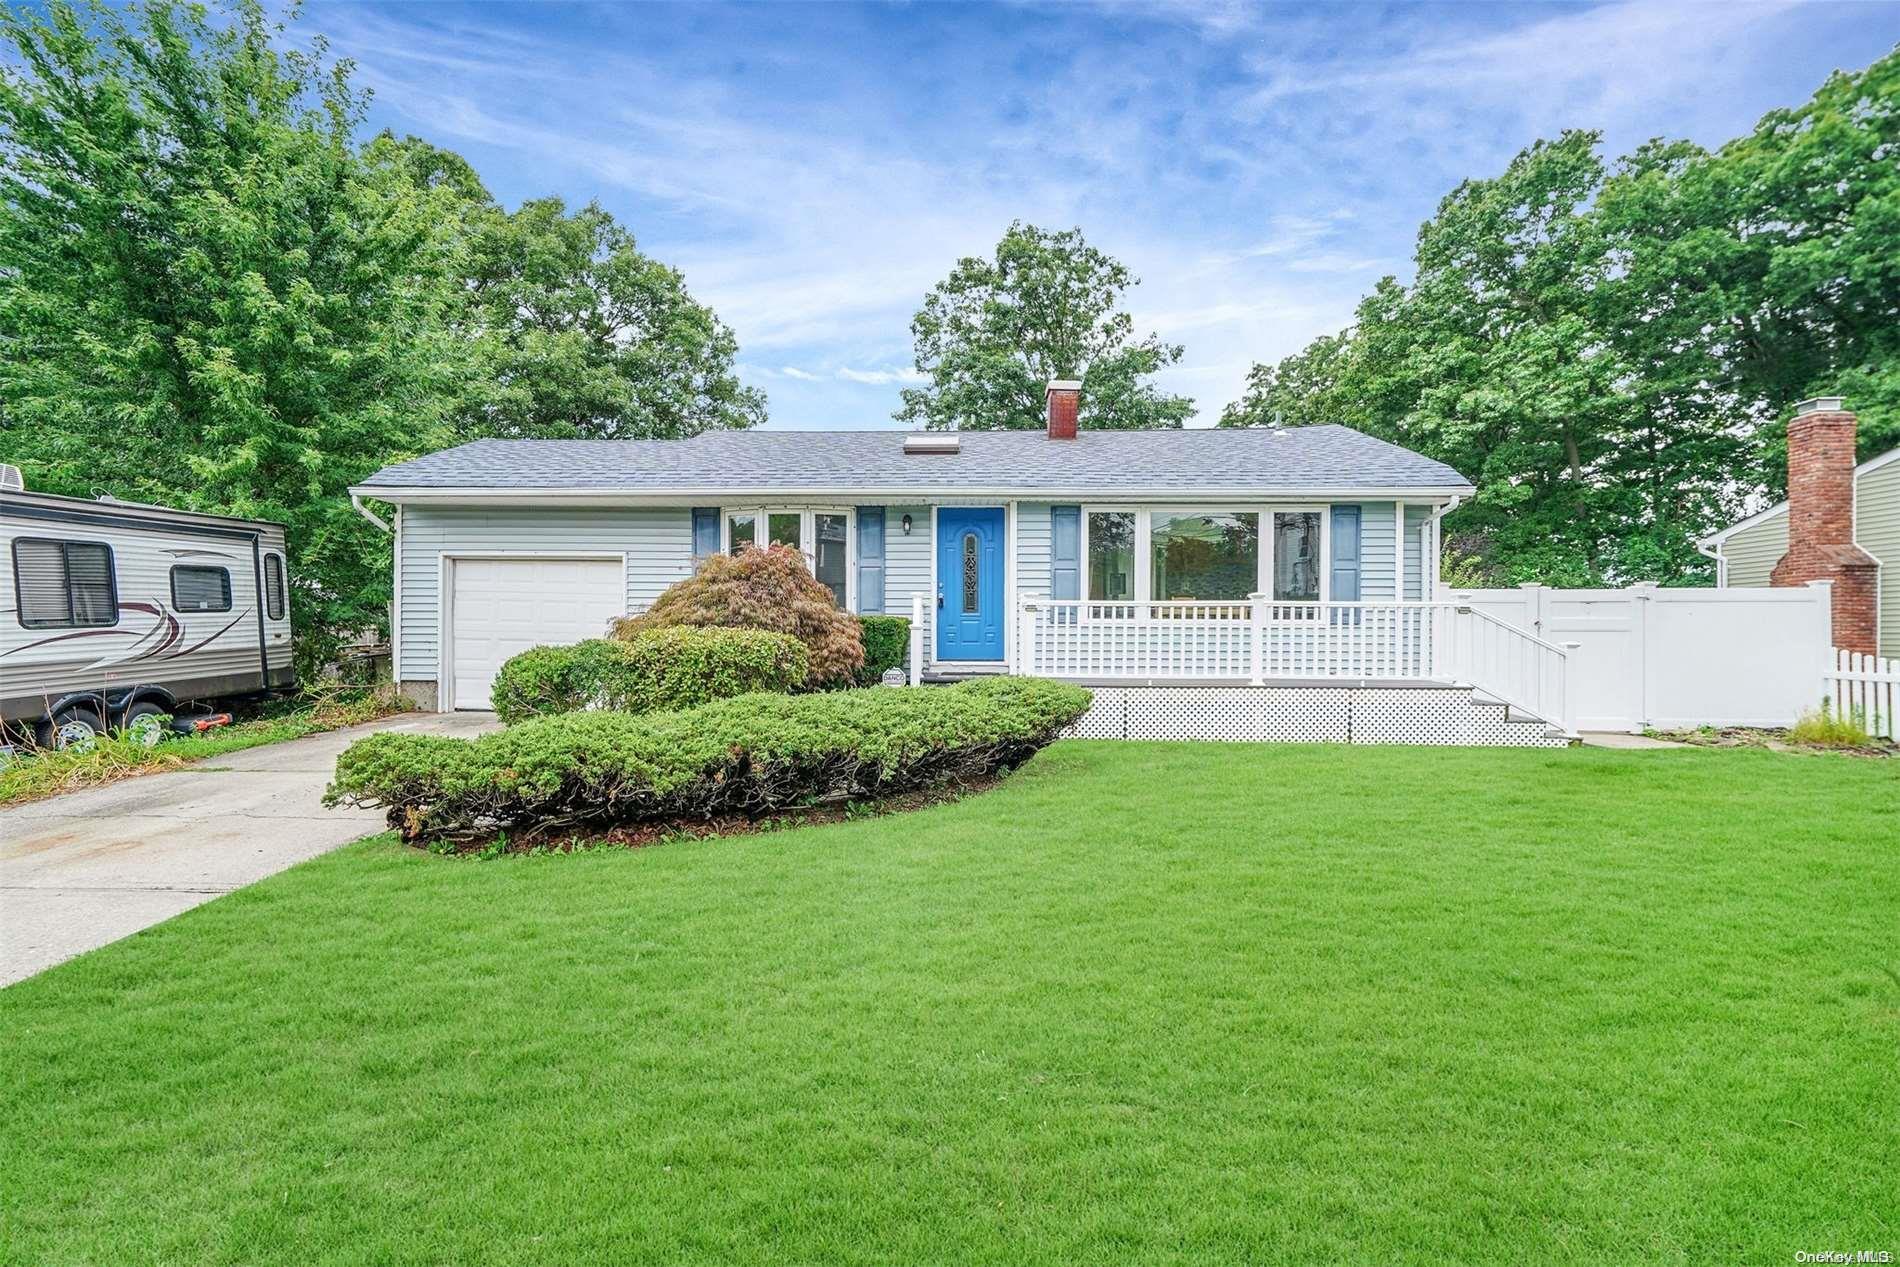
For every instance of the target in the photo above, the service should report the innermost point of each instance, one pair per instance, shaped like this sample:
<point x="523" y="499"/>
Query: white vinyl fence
<point x="1868" y="688"/>
<point x="1648" y="656"/>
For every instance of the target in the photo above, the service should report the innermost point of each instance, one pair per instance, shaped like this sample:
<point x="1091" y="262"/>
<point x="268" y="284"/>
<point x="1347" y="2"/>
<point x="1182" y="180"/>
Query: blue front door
<point x="969" y="584"/>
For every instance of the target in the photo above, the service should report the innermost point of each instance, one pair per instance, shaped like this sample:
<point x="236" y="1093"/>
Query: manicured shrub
<point x="768" y="589"/>
<point x="886" y="645"/>
<point x="656" y="669"/>
<point x="753" y="755"/>
<point x="553" y="679"/>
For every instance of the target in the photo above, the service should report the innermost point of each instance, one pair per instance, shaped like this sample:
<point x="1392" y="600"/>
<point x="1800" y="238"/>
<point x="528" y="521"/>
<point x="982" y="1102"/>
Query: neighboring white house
<point x="1847" y="506"/>
<point x="1304" y="555"/>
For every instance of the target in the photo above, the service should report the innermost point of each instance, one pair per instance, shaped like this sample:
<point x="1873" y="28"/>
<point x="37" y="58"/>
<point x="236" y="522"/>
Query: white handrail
<point x="1261" y="639"/>
<point x="1510" y="664"/>
<point x="917" y="638"/>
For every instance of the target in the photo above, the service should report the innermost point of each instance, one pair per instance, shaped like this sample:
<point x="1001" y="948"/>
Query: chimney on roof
<point x="1821" y="543"/>
<point x="1065" y="405"/>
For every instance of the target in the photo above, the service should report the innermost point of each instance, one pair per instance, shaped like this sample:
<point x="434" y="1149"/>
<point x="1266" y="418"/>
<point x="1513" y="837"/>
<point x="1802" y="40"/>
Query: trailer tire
<point x="77" y="727"/>
<point x="142" y="724"/>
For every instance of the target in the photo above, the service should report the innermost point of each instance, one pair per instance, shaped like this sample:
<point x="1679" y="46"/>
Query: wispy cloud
<point x="1257" y="167"/>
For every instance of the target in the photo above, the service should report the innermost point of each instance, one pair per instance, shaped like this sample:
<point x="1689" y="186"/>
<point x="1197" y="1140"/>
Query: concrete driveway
<point x="87" y="868"/>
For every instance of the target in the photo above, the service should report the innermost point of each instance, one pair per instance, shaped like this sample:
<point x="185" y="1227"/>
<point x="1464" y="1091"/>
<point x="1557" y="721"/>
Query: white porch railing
<point x="1259" y="640"/>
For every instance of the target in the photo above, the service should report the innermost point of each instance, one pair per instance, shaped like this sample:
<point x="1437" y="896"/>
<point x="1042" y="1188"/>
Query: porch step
<point x="950" y="677"/>
<point x="1512" y="715"/>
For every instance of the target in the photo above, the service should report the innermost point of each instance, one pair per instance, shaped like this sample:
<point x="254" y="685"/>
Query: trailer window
<point x="201" y="589"/>
<point x="274" y="586"/>
<point x="64" y="584"/>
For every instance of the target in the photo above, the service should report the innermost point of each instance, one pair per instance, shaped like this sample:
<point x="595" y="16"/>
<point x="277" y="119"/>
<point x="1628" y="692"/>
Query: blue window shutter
<point x="705" y="532"/>
<point x="1065" y="552"/>
<point x="1345" y="554"/>
<point x="870" y="558"/>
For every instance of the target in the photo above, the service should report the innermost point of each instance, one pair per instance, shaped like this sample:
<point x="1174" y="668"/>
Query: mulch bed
<point x="1773" y="740"/>
<point x="666" y="831"/>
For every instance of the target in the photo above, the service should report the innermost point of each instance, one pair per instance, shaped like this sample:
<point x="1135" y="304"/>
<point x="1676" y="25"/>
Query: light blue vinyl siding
<point x="1033" y="572"/>
<point x="658" y="542"/>
<point x="1375" y="552"/>
<point x="1415" y="520"/>
<point x="907" y="562"/>
<point x="659" y="547"/>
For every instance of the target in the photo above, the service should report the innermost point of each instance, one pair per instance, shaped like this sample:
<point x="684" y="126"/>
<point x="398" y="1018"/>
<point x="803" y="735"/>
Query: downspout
<point x="1721" y="564"/>
<point x="1431" y="539"/>
<point x="356" y="501"/>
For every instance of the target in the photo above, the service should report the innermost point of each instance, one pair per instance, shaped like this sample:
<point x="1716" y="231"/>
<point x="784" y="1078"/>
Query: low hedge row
<point x="754" y="755"/>
<point x="677" y="667"/>
<point x="886" y="646"/>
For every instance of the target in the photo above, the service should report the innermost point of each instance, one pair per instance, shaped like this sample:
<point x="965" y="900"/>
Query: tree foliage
<point x="992" y="335"/>
<point x="1608" y="351"/>
<point x="207" y="300"/>
<point x="583" y="336"/>
<point x="212" y="296"/>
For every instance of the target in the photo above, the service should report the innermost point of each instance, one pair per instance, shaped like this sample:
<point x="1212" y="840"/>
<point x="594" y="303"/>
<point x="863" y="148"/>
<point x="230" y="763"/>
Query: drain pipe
<point x="356" y="500"/>
<point x="1431" y="526"/>
<point x="1715" y="553"/>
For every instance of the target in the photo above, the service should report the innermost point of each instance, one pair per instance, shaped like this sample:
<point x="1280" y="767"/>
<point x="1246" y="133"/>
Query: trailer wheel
<point x="144" y="724"/>
<point x="75" y="729"/>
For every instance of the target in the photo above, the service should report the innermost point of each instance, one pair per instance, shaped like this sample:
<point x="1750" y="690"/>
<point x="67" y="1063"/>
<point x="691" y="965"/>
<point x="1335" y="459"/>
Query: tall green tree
<point x="1610" y="353"/>
<point x="1492" y="360"/>
<point x="585" y="336"/>
<point x="1769" y="270"/>
<point x="1047" y="305"/>
<point x="212" y="296"/>
<point x="206" y="298"/>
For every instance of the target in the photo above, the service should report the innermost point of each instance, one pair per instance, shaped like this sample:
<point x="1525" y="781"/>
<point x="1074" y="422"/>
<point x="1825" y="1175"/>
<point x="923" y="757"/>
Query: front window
<point x="1203" y="556"/>
<point x="785" y="529"/>
<point x="1296" y="551"/>
<point x="1111" y="560"/>
<point x="822" y="536"/>
<point x="831" y="544"/>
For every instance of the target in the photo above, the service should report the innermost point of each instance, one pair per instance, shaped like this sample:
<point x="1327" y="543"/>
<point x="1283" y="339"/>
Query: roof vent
<point x="11" y="481"/>
<point x="933" y="442"/>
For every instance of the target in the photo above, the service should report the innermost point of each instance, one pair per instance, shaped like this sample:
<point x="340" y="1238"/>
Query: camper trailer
<point x="112" y="612"/>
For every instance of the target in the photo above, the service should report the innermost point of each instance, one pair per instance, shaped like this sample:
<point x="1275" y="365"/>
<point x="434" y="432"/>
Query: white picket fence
<point x="1868" y="688"/>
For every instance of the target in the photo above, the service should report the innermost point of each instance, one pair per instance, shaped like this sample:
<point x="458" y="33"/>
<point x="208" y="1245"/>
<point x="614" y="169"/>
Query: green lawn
<point x="1146" y="1002"/>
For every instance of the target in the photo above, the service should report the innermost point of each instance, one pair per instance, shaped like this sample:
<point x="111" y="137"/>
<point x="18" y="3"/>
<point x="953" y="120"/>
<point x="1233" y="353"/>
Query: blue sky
<point x="813" y="169"/>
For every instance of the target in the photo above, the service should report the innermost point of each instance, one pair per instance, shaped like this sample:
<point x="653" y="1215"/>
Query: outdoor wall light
<point x="907" y="525"/>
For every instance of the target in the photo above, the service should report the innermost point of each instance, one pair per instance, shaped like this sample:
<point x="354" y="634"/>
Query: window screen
<point x="273" y="587"/>
<point x="64" y="584"/>
<point x="201" y="589"/>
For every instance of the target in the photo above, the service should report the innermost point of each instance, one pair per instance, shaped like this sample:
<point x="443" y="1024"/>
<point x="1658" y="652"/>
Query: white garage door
<point x="500" y="607"/>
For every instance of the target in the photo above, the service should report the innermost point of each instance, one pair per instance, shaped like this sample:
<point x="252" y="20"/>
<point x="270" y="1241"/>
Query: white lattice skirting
<point x="1303" y="714"/>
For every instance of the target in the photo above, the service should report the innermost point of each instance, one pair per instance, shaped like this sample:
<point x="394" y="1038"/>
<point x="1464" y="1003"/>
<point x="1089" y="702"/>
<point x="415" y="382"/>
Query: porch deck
<point x="1262" y="643"/>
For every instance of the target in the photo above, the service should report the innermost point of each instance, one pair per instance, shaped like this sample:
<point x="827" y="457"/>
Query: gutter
<point x="896" y="495"/>
<point x="356" y="500"/>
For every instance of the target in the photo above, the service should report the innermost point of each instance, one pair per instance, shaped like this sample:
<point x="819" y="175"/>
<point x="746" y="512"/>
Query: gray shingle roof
<point x="1298" y="459"/>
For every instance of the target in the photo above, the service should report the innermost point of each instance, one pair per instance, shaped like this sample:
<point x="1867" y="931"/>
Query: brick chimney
<point x="1821" y="521"/>
<point x="1065" y="403"/>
